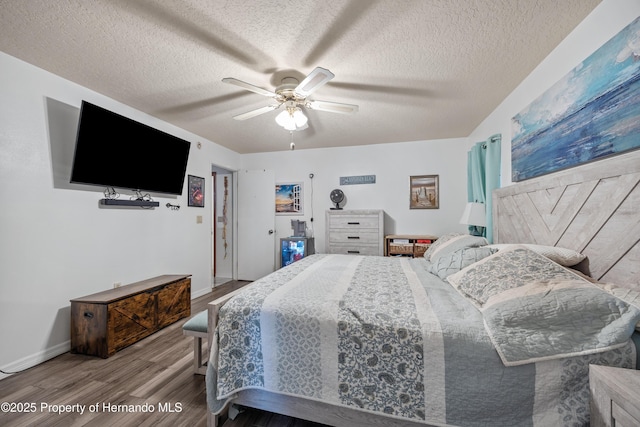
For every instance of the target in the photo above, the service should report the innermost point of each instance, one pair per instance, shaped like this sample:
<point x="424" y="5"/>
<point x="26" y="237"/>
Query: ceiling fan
<point x="293" y="96"/>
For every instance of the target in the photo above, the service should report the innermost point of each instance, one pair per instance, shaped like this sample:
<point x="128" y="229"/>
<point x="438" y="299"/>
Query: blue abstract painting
<point x="591" y="113"/>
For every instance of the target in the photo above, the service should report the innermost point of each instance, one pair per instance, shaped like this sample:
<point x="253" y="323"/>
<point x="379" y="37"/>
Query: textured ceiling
<point x="419" y="70"/>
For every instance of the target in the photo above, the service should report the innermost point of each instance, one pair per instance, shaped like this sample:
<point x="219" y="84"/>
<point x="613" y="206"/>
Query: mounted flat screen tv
<point x="115" y="151"/>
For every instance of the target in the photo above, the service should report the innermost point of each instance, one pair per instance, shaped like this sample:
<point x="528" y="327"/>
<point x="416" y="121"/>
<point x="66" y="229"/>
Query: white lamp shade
<point x="474" y="214"/>
<point x="299" y="118"/>
<point x="295" y="121"/>
<point x="285" y="120"/>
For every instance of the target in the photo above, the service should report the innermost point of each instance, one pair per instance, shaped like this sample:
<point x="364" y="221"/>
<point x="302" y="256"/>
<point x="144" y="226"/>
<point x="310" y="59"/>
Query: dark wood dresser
<point x="108" y="321"/>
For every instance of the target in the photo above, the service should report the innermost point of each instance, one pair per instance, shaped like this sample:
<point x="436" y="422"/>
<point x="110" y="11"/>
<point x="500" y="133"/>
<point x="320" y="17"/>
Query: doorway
<point x="222" y="227"/>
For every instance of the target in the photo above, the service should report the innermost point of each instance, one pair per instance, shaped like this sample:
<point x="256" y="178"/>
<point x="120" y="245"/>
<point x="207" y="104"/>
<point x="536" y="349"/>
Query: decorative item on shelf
<point x="299" y="228"/>
<point x="172" y="207"/>
<point x="337" y="197"/>
<point x="474" y="215"/>
<point x="140" y="196"/>
<point x="110" y="193"/>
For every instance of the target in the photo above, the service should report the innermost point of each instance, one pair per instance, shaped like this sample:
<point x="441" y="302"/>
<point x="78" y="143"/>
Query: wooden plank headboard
<point x="594" y="209"/>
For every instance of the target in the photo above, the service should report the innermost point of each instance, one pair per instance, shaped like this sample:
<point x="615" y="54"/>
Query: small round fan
<point x="337" y="197"/>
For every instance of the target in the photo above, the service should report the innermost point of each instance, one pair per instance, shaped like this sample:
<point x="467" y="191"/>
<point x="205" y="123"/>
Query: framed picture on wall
<point x="424" y="192"/>
<point x="289" y="199"/>
<point x="196" y="191"/>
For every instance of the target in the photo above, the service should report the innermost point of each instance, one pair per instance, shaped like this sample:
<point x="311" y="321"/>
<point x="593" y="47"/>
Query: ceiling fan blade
<point x="249" y="86"/>
<point x="313" y="81"/>
<point x="253" y="113"/>
<point x="333" y="107"/>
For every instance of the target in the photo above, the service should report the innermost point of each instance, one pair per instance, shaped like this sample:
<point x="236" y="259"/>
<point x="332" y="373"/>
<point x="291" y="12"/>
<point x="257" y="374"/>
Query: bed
<point x="472" y="334"/>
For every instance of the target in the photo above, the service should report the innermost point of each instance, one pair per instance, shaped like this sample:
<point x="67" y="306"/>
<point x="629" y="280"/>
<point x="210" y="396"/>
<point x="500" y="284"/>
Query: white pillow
<point x="451" y="243"/>
<point x="563" y="256"/>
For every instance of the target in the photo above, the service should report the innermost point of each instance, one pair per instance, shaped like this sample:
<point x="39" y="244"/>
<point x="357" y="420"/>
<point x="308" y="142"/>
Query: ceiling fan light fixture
<point x="292" y="96"/>
<point x="292" y="119"/>
<point x="299" y="118"/>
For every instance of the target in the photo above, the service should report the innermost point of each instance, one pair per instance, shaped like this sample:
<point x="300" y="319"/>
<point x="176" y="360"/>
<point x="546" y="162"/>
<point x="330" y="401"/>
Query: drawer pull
<point x="353" y="223"/>
<point x="88" y="315"/>
<point x="353" y="237"/>
<point x="353" y="252"/>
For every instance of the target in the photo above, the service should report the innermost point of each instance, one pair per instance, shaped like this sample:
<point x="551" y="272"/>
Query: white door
<point x="256" y="224"/>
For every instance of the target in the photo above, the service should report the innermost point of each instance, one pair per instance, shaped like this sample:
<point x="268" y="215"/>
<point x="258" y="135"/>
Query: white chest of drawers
<point x="356" y="232"/>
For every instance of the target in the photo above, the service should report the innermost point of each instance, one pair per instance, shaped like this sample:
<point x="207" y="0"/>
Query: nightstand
<point x="615" y="396"/>
<point x="411" y="245"/>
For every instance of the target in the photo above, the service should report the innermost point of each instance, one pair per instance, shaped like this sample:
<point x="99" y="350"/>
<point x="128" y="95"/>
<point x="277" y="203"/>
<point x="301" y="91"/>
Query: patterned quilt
<point x="534" y="309"/>
<point x="381" y="334"/>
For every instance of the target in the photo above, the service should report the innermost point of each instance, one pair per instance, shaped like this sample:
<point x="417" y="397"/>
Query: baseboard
<point x="200" y="293"/>
<point x="36" y="358"/>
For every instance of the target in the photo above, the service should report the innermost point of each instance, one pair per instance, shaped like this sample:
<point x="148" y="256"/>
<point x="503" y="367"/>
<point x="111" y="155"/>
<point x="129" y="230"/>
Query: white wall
<point x="392" y="164"/>
<point x="602" y="24"/>
<point x="56" y="244"/>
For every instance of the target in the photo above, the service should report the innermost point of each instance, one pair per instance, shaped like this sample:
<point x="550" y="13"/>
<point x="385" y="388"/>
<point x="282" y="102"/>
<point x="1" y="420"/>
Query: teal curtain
<point x="483" y="176"/>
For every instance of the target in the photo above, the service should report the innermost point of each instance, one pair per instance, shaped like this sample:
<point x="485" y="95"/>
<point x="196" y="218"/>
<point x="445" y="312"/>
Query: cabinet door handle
<point x="353" y="252"/>
<point x="353" y="237"/>
<point x="88" y="315"/>
<point x="353" y="223"/>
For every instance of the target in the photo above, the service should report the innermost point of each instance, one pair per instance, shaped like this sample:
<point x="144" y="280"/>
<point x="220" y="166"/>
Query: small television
<point x="115" y="151"/>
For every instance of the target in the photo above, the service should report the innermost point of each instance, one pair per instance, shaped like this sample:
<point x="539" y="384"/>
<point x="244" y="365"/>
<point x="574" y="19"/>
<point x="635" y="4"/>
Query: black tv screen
<point x="115" y="151"/>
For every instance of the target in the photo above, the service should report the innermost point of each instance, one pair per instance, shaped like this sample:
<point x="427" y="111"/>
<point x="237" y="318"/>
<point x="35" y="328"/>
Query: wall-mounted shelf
<point x="134" y="203"/>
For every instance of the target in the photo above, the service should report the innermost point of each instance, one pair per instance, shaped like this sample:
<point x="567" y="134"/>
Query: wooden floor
<point x="156" y="372"/>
